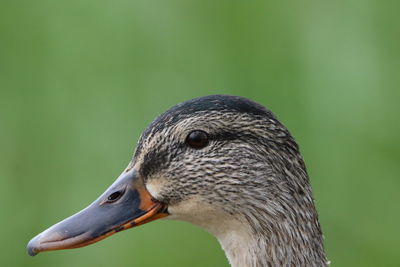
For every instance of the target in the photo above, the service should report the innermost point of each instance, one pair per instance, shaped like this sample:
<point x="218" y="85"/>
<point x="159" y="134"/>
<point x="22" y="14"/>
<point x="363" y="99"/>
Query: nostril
<point x="115" y="196"/>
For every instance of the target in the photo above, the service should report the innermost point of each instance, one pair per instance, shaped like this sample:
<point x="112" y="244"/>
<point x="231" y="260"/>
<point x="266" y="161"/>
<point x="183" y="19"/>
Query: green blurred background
<point x="80" y="80"/>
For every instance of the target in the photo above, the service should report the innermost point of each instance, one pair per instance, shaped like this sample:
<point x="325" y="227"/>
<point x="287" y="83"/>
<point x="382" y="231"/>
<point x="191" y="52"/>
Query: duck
<point x="223" y="163"/>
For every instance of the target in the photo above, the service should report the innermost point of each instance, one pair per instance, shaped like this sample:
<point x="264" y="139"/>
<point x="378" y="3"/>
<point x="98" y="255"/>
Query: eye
<point x="197" y="139"/>
<point x="115" y="196"/>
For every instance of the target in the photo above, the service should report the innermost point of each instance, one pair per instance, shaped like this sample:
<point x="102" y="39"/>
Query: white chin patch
<point x="155" y="187"/>
<point x="196" y="211"/>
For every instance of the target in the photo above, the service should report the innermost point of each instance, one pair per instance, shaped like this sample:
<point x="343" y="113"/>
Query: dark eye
<point x="115" y="196"/>
<point x="197" y="139"/>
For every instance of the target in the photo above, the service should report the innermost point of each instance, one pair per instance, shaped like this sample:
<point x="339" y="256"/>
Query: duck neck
<point x="247" y="246"/>
<point x="239" y="244"/>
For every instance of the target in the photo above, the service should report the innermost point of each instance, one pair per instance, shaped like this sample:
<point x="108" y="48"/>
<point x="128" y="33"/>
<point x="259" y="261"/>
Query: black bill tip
<point x="31" y="247"/>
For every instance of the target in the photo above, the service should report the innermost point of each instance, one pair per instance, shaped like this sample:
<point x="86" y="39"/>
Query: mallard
<point x="224" y="163"/>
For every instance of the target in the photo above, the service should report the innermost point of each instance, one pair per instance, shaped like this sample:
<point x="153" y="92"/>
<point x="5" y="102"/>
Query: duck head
<point x="220" y="162"/>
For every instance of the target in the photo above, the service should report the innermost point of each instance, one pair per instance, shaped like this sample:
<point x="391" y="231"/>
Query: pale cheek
<point x="155" y="186"/>
<point x="196" y="211"/>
